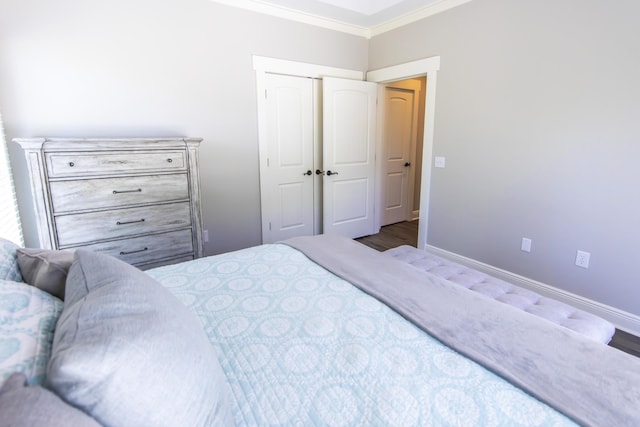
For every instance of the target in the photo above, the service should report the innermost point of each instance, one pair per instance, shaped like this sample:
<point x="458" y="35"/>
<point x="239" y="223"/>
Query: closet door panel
<point x="350" y="132"/>
<point x="349" y="156"/>
<point x="350" y="201"/>
<point x="292" y="211"/>
<point x="288" y="202"/>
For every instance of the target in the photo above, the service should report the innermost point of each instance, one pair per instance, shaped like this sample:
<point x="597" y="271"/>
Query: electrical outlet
<point x="582" y="259"/>
<point x="526" y="245"/>
<point x="205" y="235"/>
<point x="440" y="162"/>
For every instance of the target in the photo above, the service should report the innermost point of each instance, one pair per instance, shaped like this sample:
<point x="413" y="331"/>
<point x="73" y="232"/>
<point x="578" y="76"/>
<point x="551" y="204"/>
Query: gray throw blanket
<point x="589" y="382"/>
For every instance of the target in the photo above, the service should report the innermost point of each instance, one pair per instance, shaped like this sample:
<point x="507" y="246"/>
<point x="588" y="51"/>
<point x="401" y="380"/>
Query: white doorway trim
<point x="263" y="64"/>
<point x="428" y="67"/>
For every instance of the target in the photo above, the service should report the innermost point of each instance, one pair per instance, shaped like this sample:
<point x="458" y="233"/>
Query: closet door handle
<point x="308" y="173"/>
<point x="406" y="165"/>
<point x="319" y="172"/>
<point x="329" y="173"/>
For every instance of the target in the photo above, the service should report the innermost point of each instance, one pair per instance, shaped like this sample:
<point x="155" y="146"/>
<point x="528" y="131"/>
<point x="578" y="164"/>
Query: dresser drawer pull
<point x="71" y="164"/>
<point x="139" y="190"/>
<point x="129" y="222"/>
<point x="133" y="252"/>
<point x="169" y="160"/>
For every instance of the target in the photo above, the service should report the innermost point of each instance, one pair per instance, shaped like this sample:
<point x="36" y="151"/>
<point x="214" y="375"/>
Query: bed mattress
<point x="555" y="311"/>
<point x="300" y="346"/>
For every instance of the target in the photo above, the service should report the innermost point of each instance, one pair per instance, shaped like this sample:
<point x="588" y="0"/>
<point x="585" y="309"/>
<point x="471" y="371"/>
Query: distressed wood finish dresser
<point x="136" y="199"/>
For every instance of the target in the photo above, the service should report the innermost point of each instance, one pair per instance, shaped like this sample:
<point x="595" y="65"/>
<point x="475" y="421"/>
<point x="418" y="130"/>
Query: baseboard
<point x="623" y="320"/>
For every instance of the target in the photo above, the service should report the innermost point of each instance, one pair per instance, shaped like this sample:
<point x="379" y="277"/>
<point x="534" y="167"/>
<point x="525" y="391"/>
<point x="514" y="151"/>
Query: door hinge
<point x="265" y="94"/>
<point x="269" y="226"/>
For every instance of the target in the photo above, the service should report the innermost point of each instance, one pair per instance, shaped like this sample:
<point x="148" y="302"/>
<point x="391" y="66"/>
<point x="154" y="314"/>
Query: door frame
<point x="428" y="67"/>
<point x="263" y="66"/>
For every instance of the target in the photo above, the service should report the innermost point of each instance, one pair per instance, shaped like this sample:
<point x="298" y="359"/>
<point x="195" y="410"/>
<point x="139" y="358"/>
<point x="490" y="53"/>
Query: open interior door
<point x="349" y="124"/>
<point x="398" y="145"/>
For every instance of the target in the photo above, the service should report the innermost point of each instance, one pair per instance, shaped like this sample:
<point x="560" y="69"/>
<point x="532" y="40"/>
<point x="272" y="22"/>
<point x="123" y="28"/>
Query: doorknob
<point x="406" y="165"/>
<point x="329" y="173"/>
<point x="319" y="172"/>
<point x="308" y="173"/>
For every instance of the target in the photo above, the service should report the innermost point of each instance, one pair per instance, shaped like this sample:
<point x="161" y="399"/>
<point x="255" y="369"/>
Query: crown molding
<point x="296" y="15"/>
<point x="332" y="24"/>
<point x="417" y="15"/>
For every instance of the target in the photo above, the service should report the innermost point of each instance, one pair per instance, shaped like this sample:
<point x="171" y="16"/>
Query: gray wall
<point x="80" y="68"/>
<point x="538" y="116"/>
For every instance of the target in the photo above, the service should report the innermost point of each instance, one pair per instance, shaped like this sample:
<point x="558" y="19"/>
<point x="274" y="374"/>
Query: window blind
<point x="10" y="227"/>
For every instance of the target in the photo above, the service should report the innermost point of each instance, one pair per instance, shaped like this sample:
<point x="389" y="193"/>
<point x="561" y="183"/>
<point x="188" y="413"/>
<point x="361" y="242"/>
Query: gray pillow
<point x="128" y="353"/>
<point x="24" y="406"/>
<point x="45" y="269"/>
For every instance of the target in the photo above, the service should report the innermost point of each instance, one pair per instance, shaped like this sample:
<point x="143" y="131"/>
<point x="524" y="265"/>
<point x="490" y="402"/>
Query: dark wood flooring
<point x="394" y="235"/>
<point x="406" y="233"/>
<point x="626" y="342"/>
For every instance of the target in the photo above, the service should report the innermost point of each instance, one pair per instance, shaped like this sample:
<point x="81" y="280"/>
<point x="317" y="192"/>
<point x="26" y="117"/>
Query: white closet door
<point x="349" y="123"/>
<point x="288" y="205"/>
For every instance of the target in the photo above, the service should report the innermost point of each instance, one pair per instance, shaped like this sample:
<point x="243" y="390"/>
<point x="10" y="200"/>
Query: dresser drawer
<point x="102" y="193"/>
<point x="113" y="162"/>
<point x="147" y="249"/>
<point x="167" y="261"/>
<point x="117" y="223"/>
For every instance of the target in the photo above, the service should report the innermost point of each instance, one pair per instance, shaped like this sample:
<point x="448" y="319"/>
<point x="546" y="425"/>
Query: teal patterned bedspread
<point x="27" y="322"/>
<point x="302" y="347"/>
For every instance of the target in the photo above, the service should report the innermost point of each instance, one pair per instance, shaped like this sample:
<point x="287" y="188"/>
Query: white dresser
<point x="136" y="199"/>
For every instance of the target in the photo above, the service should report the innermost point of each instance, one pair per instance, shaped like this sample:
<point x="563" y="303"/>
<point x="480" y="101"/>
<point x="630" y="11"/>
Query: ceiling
<point x="365" y="18"/>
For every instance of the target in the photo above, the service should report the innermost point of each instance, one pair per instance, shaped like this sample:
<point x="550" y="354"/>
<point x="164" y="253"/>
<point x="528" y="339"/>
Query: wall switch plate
<point x="526" y="245"/>
<point x="440" y="161"/>
<point x="582" y="259"/>
<point x="205" y="235"/>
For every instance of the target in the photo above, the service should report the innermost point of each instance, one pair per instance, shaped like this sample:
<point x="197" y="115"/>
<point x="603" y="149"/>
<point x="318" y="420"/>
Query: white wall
<point x="537" y="114"/>
<point x="81" y="68"/>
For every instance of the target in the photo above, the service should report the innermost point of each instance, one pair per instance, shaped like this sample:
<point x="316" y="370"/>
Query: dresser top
<point x="81" y="144"/>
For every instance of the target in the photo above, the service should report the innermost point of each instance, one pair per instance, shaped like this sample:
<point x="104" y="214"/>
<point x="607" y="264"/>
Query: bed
<point x="308" y="332"/>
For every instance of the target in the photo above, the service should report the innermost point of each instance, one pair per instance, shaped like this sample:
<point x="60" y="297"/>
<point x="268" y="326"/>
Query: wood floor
<point x="391" y="236"/>
<point x="626" y="342"/>
<point x="406" y="233"/>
